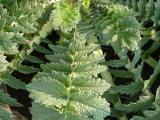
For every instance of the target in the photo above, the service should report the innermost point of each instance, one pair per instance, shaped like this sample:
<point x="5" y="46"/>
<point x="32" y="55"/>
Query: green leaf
<point x="34" y="59"/>
<point x="89" y="104"/>
<point x="41" y="49"/>
<point x="40" y="112"/>
<point x="117" y="63"/>
<point x="48" y="91"/>
<point x="6" y="44"/>
<point x="58" y="49"/>
<point x="126" y="32"/>
<point x="121" y="73"/>
<point x="60" y="66"/>
<point x="65" y="17"/>
<point x="137" y="118"/>
<point x="13" y="82"/>
<point x="27" y="69"/>
<point x="45" y="113"/>
<point x="128" y="89"/>
<point x="60" y="76"/>
<point x="96" y="85"/>
<point x="6" y="99"/>
<point x="152" y="115"/>
<point x="149" y="115"/>
<point x="143" y="103"/>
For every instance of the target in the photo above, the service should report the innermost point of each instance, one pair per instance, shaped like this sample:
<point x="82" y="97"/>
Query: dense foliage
<point x="71" y="79"/>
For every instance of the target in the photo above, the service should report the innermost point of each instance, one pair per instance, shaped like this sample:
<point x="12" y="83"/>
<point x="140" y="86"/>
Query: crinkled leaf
<point x="65" y="17"/>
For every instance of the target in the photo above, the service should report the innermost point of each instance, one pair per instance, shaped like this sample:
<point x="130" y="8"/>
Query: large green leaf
<point x="69" y="85"/>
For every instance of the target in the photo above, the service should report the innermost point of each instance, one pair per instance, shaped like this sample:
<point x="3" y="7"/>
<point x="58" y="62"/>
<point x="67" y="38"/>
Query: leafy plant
<point x="71" y="80"/>
<point x="69" y="87"/>
<point x="18" y="25"/>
